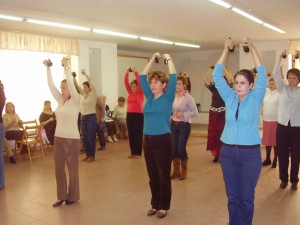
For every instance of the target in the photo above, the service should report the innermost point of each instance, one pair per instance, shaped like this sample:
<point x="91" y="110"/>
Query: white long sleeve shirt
<point x="289" y="101"/>
<point x="66" y="111"/>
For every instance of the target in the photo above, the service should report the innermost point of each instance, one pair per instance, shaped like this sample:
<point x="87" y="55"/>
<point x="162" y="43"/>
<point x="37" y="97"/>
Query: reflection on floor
<point x="115" y="191"/>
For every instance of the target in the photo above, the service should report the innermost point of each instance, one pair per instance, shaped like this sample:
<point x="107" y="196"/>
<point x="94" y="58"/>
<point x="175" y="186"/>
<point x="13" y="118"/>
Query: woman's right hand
<point x="47" y="63"/>
<point x="156" y="55"/>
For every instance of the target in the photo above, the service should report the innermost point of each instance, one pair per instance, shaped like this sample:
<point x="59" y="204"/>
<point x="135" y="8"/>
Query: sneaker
<point x="114" y="138"/>
<point x="109" y="139"/>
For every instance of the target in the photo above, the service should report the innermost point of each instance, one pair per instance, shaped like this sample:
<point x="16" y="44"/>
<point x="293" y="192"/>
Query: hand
<point x="47" y="63"/>
<point x="229" y="44"/>
<point x="166" y="56"/>
<point x="102" y="120"/>
<point x="131" y="69"/>
<point x="83" y="72"/>
<point x="156" y="56"/>
<point x="247" y="43"/>
<point x="179" y="114"/>
<point x="65" y="62"/>
<point x="283" y="54"/>
<point x="50" y="119"/>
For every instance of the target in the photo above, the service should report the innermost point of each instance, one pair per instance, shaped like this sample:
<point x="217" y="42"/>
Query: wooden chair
<point x="32" y="136"/>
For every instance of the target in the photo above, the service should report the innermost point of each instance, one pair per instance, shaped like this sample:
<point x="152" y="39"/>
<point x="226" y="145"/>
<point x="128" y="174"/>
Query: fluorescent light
<point x="249" y="16"/>
<point x="8" y="17"/>
<point x="273" y="28"/>
<point x="156" y="40"/>
<point x="115" y="33"/>
<point x="61" y="25"/>
<point x="221" y="3"/>
<point x="187" y="45"/>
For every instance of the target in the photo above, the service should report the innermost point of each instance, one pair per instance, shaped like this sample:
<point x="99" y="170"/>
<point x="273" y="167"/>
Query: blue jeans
<point x="180" y="134"/>
<point x="88" y="129"/>
<point x="241" y="167"/>
<point x="2" y="134"/>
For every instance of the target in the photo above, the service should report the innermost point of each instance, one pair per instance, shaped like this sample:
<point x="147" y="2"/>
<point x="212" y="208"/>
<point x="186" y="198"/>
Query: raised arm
<point x="143" y="76"/>
<point x="54" y="91"/>
<point x="92" y="85"/>
<point x="207" y="76"/>
<point x="126" y="81"/>
<point x="70" y="82"/>
<point x="278" y="76"/>
<point x="171" y="89"/>
<point x="220" y="83"/>
<point x="77" y="86"/>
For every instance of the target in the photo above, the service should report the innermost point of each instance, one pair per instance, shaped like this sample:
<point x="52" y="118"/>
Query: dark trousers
<point x="288" y="145"/>
<point x="88" y="129"/>
<point x="241" y="168"/>
<point x="135" y="124"/>
<point x="100" y="134"/>
<point x="180" y="135"/>
<point x="158" y="155"/>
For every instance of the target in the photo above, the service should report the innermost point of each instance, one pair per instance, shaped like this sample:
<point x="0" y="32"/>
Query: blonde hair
<point x="10" y="103"/>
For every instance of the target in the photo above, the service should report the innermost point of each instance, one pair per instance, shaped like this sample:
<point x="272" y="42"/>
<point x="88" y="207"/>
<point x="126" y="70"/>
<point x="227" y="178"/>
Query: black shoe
<point x="274" y="164"/>
<point x="101" y="148"/>
<point x="56" y="204"/>
<point x="69" y="202"/>
<point x="161" y="214"/>
<point x="283" y="185"/>
<point x="266" y="162"/>
<point x="12" y="160"/>
<point x="216" y="159"/>
<point x="152" y="212"/>
<point x="294" y="186"/>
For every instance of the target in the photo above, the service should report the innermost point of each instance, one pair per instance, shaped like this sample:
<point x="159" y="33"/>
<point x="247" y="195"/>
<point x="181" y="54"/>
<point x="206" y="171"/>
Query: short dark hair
<point x="294" y="71"/>
<point x="133" y="82"/>
<point x="158" y="75"/>
<point x="121" y="99"/>
<point x="183" y="79"/>
<point x="87" y="84"/>
<point x="247" y="74"/>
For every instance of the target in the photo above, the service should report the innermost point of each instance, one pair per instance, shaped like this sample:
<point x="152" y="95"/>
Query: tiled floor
<point x="115" y="191"/>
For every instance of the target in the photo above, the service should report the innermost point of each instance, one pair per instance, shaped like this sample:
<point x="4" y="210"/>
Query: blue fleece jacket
<point x="245" y="129"/>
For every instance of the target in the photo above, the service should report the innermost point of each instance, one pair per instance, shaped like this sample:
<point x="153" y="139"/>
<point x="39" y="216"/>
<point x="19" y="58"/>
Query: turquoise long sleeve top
<point x="245" y="129"/>
<point x="157" y="112"/>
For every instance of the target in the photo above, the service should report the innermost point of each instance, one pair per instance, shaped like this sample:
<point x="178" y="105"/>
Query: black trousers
<point x="135" y="124"/>
<point x="100" y="134"/>
<point x="288" y="145"/>
<point x="158" y="155"/>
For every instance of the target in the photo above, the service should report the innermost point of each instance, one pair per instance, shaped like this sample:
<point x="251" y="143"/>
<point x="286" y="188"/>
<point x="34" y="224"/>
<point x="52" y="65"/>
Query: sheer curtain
<point x="25" y="80"/>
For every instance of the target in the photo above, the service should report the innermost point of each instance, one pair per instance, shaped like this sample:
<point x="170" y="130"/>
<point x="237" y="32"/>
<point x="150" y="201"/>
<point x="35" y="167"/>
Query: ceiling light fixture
<point x="221" y="3"/>
<point x="245" y="14"/>
<point x="61" y="25"/>
<point x="8" y="17"/>
<point x="273" y="28"/>
<point x="100" y="31"/>
<point x="187" y="45"/>
<point x="157" y="40"/>
<point x="249" y="16"/>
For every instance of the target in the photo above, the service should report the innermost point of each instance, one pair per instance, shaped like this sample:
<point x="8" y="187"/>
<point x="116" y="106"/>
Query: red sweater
<point x="135" y="100"/>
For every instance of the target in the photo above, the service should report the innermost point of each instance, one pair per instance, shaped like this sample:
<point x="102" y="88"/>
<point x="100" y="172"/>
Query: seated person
<point x="48" y="121"/>
<point x="111" y="129"/>
<point x="12" y="124"/>
<point x="119" y="115"/>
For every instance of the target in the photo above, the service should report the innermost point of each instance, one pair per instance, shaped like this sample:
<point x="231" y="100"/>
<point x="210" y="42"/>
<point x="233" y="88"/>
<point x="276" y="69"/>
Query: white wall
<point x="106" y="81"/>
<point x="246" y="60"/>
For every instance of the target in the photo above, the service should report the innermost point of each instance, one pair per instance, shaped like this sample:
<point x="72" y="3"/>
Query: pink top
<point x="135" y="100"/>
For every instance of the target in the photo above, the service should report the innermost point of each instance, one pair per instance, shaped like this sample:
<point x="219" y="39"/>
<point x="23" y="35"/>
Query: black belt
<point x="242" y="146"/>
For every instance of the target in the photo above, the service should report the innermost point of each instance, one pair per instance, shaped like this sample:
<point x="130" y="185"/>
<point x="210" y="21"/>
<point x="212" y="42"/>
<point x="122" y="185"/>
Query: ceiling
<point x="190" y="21"/>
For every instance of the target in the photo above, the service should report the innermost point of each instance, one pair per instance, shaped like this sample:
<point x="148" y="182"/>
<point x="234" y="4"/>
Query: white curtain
<point x="38" y="43"/>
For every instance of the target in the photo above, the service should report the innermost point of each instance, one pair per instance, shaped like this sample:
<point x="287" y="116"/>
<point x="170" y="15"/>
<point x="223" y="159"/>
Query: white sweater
<point x="270" y="105"/>
<point x="66" y="112"/>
